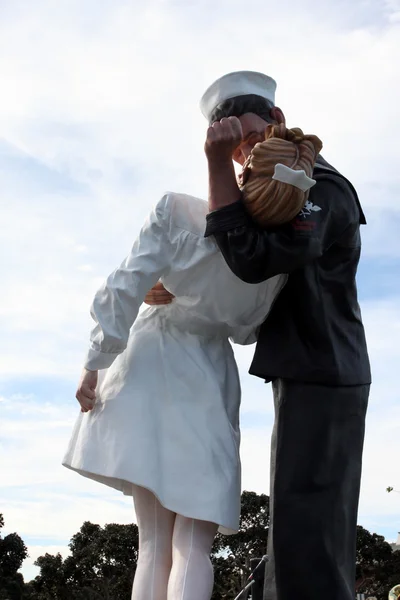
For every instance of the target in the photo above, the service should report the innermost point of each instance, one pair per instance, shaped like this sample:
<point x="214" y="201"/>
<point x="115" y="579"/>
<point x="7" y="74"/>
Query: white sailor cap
<point x="239" y="83"/>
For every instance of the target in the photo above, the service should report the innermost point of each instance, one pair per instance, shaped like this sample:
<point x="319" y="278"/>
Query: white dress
<point x="167" y="410"/>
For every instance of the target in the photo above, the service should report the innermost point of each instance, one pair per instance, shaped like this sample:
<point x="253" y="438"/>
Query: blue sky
<point x="98" y="118"/>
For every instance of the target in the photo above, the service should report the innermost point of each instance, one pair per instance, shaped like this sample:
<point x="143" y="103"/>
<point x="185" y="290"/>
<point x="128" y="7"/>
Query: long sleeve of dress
<point x="117" y="302"/>
<point x="255" y="254"/>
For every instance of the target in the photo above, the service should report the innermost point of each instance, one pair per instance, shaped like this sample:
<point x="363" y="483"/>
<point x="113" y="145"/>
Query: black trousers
<point x="316" y="456"/>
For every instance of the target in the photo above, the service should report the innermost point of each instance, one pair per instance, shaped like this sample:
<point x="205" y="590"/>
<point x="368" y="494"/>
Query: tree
<point x="101" y="566"/>
<point x="103" y="560"/>
<point x="232" y="554"/>
<point x="374" y="563"/>
<point x="12" y="554"/>
<point x="395" y="571"/>
<point x="51" y="583"/>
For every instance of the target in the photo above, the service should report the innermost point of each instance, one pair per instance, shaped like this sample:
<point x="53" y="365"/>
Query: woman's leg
<point x="192" y="576"/>
<point x="156" y="526"/>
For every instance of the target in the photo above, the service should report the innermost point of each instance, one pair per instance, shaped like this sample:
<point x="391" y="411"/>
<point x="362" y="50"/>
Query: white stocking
<point x="156" y="525"/>
<point x="192" y="576"/>
<point x="174" y="553"/>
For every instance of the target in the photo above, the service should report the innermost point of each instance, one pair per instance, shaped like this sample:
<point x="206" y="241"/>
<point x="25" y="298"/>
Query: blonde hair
<point x="272" y="202"/>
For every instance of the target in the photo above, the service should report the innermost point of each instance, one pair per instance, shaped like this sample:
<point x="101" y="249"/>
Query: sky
<point x="99" y="117"/>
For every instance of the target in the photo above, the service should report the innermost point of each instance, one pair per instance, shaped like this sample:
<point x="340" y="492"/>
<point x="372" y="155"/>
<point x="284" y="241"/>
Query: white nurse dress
<point x="167" y="410"/>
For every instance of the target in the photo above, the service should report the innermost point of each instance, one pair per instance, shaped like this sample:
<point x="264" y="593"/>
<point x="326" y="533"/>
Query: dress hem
<point x="124" y="485"/>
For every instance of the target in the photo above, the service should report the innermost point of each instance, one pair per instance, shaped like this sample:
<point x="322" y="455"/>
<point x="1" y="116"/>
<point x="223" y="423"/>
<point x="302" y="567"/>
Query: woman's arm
<point x="116" y="304"/>
<point x="256" y="254"/>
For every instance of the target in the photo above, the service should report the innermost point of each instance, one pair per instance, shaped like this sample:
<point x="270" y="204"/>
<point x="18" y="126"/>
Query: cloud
<point x="47" y="504"/>
<point x="98" y="117"/>
<point x="30" y="571"/>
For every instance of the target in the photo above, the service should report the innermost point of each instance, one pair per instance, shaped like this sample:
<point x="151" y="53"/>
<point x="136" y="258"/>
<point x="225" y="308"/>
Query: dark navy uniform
<point x="312" y="347"/>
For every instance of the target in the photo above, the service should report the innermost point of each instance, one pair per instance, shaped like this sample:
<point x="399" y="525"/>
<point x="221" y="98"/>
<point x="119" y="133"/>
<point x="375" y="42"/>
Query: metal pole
<point x="251" y="579"/>
<point x="248" y="586"/>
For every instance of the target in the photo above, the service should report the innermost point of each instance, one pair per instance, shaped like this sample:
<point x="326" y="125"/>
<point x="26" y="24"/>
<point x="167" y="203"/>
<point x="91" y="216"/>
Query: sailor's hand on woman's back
<point x="86" y="393"/>
<point x="158" y="295"/>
